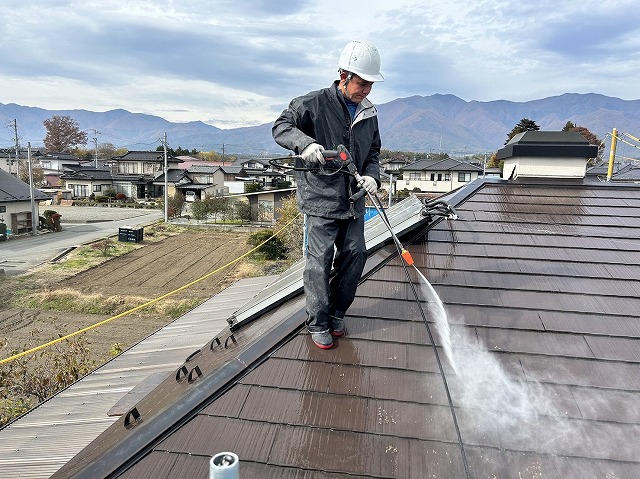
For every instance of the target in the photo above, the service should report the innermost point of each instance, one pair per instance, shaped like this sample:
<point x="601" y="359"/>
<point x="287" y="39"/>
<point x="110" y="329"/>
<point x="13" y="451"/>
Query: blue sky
<point x="238" y="63"/>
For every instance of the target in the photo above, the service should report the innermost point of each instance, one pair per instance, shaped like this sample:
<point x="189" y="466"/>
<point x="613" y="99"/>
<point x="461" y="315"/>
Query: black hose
<point x="399" y="247"/>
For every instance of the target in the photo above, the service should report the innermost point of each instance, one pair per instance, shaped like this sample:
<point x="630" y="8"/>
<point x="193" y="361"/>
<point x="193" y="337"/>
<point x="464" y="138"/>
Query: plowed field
<point x="146" y="273"/>
<point x="162" y="267"/>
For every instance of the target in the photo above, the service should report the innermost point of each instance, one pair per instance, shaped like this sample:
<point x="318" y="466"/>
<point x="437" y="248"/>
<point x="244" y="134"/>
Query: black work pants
<point x="332" y="295"/>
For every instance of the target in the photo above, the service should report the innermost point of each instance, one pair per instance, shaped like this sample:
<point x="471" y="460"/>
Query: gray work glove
<point x="369" y="183"/>
<point x="313" y="154"/>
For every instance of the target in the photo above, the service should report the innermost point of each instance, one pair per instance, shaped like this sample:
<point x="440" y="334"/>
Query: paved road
<point x="79" y="226"/>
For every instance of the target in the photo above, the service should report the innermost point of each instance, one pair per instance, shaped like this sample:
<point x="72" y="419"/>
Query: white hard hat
<point x="361" y="58"/>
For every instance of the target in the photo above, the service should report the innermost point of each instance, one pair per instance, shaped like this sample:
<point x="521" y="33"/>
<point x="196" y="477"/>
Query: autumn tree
<point x="523" y="125"/>
<point x="588" y="135"/>
<point x="63" y="133"/>
<point x="37" y="173"/>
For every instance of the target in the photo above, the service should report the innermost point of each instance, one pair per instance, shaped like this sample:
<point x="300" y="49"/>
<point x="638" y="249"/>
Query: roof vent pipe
<point x="546" y="154"/>
<point x="224" y="465"/>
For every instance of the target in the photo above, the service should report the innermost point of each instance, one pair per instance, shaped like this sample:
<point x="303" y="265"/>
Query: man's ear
<point x="343" y="75"/>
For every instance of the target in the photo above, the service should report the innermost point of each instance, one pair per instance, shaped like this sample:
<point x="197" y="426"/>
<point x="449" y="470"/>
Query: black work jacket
<point x="322" y="117"/>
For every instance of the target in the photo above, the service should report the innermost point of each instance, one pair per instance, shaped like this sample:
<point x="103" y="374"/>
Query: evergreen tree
<point x="523" y="125"/>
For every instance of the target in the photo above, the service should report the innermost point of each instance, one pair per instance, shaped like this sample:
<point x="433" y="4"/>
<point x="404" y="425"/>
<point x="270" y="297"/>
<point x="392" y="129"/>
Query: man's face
<point x="356" y="89"/>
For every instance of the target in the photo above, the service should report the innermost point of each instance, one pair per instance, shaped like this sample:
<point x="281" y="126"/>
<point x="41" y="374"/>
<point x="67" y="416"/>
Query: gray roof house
<point x="437" y="176"/>
<point x="628" y="173"/>
<point x="86" y="180"/>
<point x="15" y="202"/>
<point x="509" y="349"/>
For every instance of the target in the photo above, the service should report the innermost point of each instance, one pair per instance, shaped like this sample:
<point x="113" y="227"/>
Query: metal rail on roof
<point x="403" y="216"/>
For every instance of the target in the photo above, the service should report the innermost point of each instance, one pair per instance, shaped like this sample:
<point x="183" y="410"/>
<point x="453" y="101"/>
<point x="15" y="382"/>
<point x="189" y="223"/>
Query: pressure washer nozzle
<point x="406" y="256"/>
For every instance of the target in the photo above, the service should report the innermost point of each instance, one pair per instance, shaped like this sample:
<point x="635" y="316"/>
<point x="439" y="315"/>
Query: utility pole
<point x="95" y="144"/>
<point x="166" y="182"/>
<point x="34" y="213"/>
<point x="17" y="146"/>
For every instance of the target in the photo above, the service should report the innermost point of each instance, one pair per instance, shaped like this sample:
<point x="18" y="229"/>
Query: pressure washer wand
<point x="343" y="154"/>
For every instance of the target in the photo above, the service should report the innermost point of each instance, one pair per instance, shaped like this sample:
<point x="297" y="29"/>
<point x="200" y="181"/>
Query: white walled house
<point x="86" y="181"/>
<point x="134" y="173"/>
<point x="54" y="165"/>
<point x="437" y="176"/>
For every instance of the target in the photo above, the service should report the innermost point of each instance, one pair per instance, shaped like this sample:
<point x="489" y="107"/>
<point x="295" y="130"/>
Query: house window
<point x="464" y="177"/>
<point x="127" y="167"/>
<point x="3" y="209"/>
<point x="439" y="176"/>
<point x="97" y="188"/>
<point x="80" y="190"/>
<point x="447" y="177"/>
<point x="46" y="164"/>
<point x="124" y="189"/>
<point x="433" y="177"/>
<point x="150" y="168"/>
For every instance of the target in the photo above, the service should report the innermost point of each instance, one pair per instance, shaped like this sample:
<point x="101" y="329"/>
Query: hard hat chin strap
<point x="346" y="80"/>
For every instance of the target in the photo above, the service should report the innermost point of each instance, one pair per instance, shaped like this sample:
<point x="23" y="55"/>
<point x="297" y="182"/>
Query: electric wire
<point x="148" y="303"/>
<point x="398" y="245"/>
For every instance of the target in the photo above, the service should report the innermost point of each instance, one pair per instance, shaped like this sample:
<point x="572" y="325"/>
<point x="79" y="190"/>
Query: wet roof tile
<point x="544" y="373"/>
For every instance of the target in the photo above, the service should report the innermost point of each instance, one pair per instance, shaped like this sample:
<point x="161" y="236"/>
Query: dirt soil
<point x="150" y="271"/>
<point x="163" y="267"/>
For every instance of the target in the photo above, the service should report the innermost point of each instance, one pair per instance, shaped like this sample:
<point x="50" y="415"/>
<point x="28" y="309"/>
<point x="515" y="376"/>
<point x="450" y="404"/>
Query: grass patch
<point x="69" y="300"/>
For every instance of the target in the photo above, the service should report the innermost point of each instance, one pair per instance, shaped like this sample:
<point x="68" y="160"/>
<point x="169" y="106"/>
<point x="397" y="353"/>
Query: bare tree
<point x="63" y="133"/>
<point x="37" y="173"/>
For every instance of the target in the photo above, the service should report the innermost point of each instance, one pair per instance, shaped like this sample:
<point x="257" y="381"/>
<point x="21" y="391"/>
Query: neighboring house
<point x="147" y="163"/>
<point x="627" y="174"/>
<point x="175" y="178"/>
<point x="234" y="178"/>
<point x="266" y="205"/>
<point x="393" y="165"/>
<point x="15" y="203"/>
<point x="601" y="170"/>
<point x="8" y="162"/>
<point x="189" y="161"/>
<point x="203" y="181"/>
<point x="135" y="172"/>
<point x="491" y="173"/>
<point x="260" y="171"/>
<point x="54" y="165"/>
<point x="84" y="181"/>
<point x="252" y="163"/>
<point x="437" y="176"/>
<point x="539" y="275"/>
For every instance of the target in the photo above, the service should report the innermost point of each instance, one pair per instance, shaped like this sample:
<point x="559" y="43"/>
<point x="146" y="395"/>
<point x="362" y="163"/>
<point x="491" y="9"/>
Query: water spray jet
<point x="438" y="207"/>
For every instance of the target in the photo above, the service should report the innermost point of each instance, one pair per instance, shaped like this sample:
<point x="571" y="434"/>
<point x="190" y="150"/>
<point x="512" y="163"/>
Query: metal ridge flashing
<point x="205" y="375"/>
<point x="403" y="216"/>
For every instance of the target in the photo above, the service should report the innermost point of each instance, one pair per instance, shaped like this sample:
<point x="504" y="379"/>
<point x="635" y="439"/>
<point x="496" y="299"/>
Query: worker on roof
<point x="318" y="121"/>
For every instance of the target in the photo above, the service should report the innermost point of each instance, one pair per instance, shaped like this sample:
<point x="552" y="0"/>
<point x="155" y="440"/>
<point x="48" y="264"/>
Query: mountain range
<point x="438" y="123"/>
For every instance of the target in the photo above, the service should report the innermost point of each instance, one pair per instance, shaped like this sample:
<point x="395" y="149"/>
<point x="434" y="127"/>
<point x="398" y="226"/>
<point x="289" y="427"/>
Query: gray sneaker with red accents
<point x="323" y="339"/>
<point x="337" y="327"/>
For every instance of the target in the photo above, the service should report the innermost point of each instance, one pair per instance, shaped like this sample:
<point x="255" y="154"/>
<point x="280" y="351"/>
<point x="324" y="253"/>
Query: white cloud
<point x="239" y="63"/>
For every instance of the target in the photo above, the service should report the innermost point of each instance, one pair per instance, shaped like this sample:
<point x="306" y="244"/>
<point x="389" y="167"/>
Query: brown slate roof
<point x="541" y="283"/>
